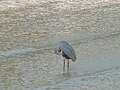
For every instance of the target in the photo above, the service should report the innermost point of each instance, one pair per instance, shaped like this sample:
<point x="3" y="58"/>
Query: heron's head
<point x="58" y="51"/>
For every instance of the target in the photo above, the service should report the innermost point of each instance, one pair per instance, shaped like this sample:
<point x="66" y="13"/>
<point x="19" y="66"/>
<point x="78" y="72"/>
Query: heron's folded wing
<point x="68" y="50"/>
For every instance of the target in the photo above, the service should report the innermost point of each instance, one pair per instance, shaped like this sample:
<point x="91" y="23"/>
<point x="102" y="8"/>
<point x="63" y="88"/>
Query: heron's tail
<point x="74" y="59"/>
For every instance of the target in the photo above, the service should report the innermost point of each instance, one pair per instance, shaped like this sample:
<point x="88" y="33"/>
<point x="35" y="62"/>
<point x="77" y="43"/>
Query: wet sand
<point x="29" y="32"/>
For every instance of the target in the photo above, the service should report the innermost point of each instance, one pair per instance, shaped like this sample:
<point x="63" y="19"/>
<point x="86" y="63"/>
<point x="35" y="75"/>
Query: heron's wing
<point x="68" y="50"/>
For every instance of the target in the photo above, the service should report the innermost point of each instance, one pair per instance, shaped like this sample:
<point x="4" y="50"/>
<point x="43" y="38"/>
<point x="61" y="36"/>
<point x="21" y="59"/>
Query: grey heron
<point x="66" y="50"/>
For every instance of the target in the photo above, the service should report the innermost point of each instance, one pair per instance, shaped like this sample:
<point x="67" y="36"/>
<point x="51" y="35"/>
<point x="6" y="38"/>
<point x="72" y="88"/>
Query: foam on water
<point x="16" y="52"/>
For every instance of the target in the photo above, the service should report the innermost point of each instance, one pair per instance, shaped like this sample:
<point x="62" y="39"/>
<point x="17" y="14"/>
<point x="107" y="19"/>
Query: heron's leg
<point x="64" y="66"/>
<point x="68" y="66"/>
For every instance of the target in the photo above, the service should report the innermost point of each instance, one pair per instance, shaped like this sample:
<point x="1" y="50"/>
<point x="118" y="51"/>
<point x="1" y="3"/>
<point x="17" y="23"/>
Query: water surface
<point x="28" y="36"/>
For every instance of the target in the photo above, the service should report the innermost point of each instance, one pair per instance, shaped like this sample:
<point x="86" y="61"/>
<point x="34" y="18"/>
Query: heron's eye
<point x="59" y="50"/>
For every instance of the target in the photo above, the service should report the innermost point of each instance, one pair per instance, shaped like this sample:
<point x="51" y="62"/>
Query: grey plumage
<point x="66" y="50"/>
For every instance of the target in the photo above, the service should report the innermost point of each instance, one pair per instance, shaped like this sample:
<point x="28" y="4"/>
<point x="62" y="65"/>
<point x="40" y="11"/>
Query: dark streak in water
<point x="100" y="36"/>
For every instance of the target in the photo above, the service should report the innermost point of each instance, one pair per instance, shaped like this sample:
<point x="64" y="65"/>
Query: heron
<point x="67" y="51"/>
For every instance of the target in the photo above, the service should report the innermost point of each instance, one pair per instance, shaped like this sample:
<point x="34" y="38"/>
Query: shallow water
<point x="28" y="36"/>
